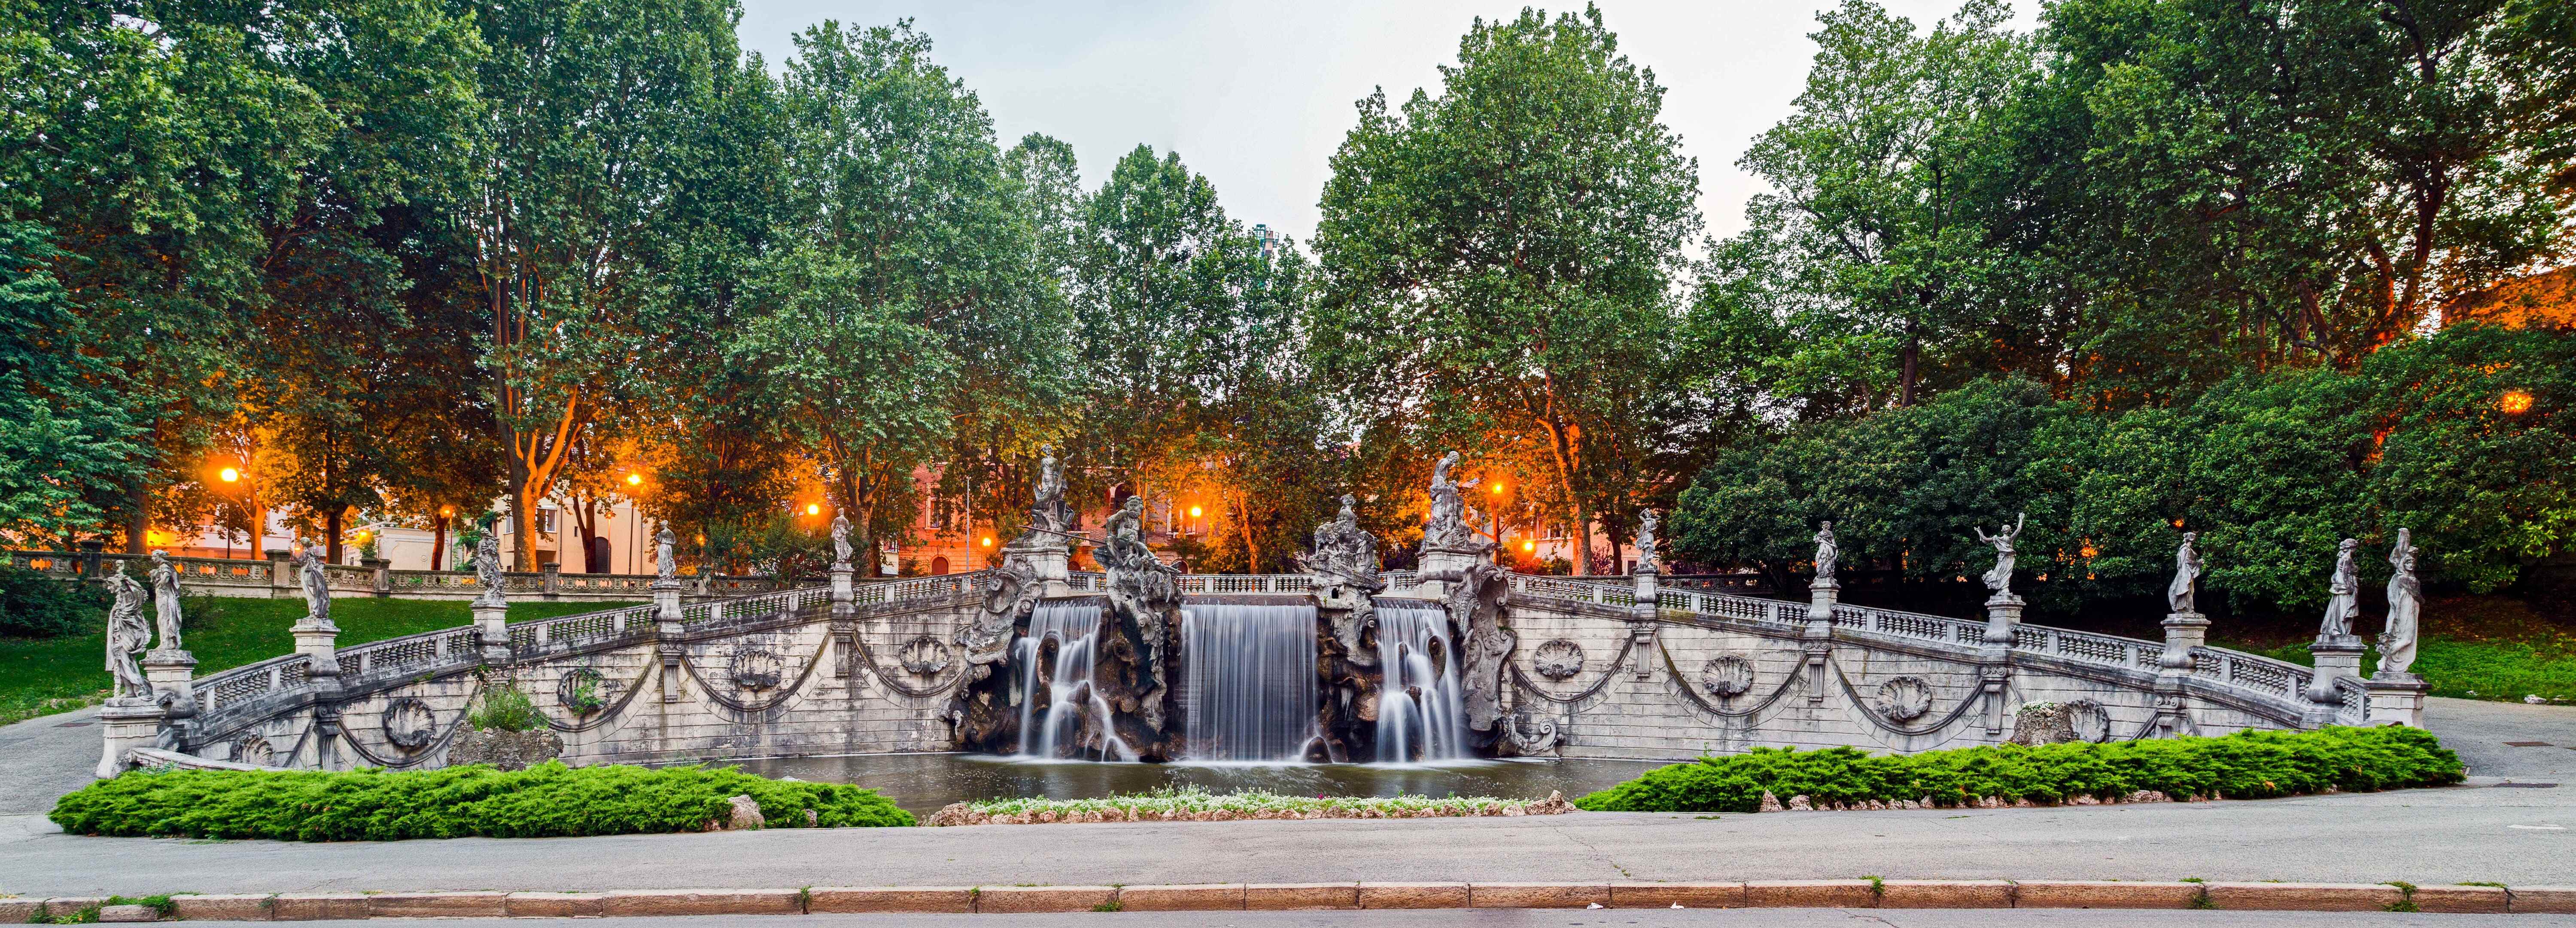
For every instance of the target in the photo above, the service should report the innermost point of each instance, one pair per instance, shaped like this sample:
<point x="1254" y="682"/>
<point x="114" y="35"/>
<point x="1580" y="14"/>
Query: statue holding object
<point x="1828" y="552"/>
<point x="2343" y="595"/>
<point x="1447" y="526"/>
<point x="487" y="561"/>
<point x="2187" y="567"/>
<point x="2405" y="609"/>
<point x="316" y="585"/>
<point x="127" y="636"/>
<point x="1999" y="579"/>
<point x="841" y="541"/>
<point x="165" y="600"/>
<point x="666" y="561"/>
<point x="1647" y="560"/>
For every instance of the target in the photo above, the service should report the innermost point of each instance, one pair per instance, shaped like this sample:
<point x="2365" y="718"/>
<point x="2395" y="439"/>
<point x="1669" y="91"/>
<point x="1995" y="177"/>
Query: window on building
<point x="546" y="521"/>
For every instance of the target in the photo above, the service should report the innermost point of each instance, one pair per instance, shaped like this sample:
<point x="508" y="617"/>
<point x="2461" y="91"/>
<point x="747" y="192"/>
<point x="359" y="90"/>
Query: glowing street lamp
<point x="634" y="479"/>
<point x="1194" y="512"/>
<point x="2514" y="401"/>
<point x="988" y="541"/>
<point x="813" y="509"/>
<point x="229" y="475"/>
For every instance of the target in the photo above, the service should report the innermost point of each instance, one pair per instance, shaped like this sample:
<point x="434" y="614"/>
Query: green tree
<point x="1499" y="257"/>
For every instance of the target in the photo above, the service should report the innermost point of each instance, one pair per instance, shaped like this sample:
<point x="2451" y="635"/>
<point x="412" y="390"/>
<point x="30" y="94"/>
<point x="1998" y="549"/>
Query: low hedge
<point x="2245" y="765"/>
<point x="548" y="800"/>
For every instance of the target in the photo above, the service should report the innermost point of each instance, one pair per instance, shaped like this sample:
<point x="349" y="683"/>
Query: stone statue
<point x="841" y="541"/>
<point x="1048" y="512"/>
<point x="2186" y="572"/>
<point x="2343" y="594"/>
<point x="2405" y="608"/>
<point x="1123" y="537"/>
<point x="1999" y="579"/>
<point x="487" y="562"/>
<point x="1342" y="549"/>
<point x="1828" y="554"/>
<point x="165" y="599"/>
<point x="127" y="635"/>
<point x="666" y="561"/>
<point x="316" y="585"/>
<point x="1647" y="561"/>
<point x="1447" y="527"/>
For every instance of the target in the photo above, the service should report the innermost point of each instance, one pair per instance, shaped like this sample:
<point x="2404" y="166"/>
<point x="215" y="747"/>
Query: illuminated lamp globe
<point x="635" y="480"/>
<point x="229" y="475"/>
<point x="1194" y="512"/>
<point x="2514" y="401"/>
<point x="813" y="509"/>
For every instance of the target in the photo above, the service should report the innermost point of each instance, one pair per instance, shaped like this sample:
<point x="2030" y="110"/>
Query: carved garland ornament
<point x="756" y="669"/>
<point x="409" y="723"/>
<point x="1904" y="699"/>
<point x="1558" y="659"/>
<point x="254" y="749"/>
<point x="1727" y="675"/>
<point x="924" y="656"/>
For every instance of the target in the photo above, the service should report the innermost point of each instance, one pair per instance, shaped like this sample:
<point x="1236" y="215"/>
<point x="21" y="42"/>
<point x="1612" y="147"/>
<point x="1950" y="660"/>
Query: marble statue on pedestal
<point x="666" y="561"/>
<point x="165" y="599"/>
<point x="1047" y="511"/>
<point x="2179" y="594"/>
<point x="487" y="562"/>
<point x="1999" y="579"/>
<point x="1648" y="560"/>
<point x="2343" y="594"/>
<point x="127" y="636"/>
<point x="316" y="585"/>
<point x="2405" y="609"/>
<point x="841" y="541"/>
<point x="1827" y="553"/>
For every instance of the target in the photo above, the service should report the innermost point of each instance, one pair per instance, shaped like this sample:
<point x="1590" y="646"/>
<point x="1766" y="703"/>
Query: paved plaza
<point x="2511" y="834"/>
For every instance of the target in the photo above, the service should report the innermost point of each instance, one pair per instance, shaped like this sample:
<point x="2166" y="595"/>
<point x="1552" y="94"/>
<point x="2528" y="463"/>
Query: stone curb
<point x="1216" y="897"/>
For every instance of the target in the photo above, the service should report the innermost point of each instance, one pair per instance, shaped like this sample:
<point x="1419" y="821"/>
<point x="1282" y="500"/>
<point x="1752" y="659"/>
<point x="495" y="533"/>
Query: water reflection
<point x="921" y="783"/>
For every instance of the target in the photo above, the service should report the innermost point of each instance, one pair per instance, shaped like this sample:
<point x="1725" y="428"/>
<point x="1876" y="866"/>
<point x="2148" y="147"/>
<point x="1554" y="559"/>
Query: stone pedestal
<point x="281" y="572"/>
<point x="127" y="722"/>
<point x="1641" y="620"/>
<point x="666" y="635"/>
<point x="380" y="575"/>
<point x="319" y="643"/>
<point x="2338" y="656"/>
<point x="1045" y="556"/>
<point x="845" y="619"/>
<point x="1817" y="638"/>
<point x="2397" y="699"/>
<point x="550" y="575"/>
<point x="1446" y="562"/>
<point x="2183" y="632"/>
<point x="1994" y="655"/>
<point x="492" y="631"/>
<point x="172" y="673"/>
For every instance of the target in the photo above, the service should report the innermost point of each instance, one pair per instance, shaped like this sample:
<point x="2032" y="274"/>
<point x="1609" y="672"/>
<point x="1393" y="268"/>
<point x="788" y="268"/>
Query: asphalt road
<point x="1603" y="918"/>
<point x="2509" y="834"/>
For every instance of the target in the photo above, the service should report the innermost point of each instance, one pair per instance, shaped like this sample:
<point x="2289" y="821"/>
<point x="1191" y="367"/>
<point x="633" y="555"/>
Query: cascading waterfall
<point x="1075" y="628"/>
<point x="1249" y="674"/>
<point x="1420" y="715"/>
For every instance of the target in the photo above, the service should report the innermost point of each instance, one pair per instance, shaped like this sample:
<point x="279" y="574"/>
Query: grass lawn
<point x="60" y="674"/>
<point x="2475" y="648"/>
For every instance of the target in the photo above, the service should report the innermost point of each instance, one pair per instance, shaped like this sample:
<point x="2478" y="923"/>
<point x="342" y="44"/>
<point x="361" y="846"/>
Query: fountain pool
<point x="921" y="783"/>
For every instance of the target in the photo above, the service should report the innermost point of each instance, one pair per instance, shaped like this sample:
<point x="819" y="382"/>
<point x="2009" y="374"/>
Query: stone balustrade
<point x="272" y="578"/>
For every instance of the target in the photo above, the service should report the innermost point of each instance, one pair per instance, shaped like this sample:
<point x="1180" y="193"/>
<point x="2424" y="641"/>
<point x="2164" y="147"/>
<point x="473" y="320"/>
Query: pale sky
<point x="1258" y="95"/>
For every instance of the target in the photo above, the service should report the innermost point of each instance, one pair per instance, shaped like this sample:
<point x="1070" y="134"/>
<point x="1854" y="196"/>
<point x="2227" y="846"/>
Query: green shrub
<point x="505" y="708"/>
<point x="2245" y="765"/>
<point x="548" y="800"/>
<point x="34" y="605"/>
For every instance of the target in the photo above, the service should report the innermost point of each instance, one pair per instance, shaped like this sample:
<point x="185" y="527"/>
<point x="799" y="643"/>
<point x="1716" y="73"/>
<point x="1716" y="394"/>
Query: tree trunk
<point x="523" y="522"/>
<point x="1582" y="540"/>
<point x="1913" y="357"/>
<point x="1251" y="550"/>
<point x="331" y="534"/>
<point x="138" y="519"/>
<point x="438" y="543"/>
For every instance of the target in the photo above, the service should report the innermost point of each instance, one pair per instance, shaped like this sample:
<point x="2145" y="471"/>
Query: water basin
<point x="921" y="783"/>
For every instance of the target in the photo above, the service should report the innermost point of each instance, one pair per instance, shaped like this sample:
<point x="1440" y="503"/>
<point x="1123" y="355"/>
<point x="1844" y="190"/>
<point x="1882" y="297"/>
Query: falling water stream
<point x="1249" y="690"/>
<point x="1420" y="715"/>
<point x="1072" y="699"/>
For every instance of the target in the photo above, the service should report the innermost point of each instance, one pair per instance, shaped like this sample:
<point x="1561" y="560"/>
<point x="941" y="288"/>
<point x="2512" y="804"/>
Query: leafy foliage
<point x="34" y="605"/>
<point x="505" y="707"/>
<point x="2245" y="765"/>
<point x="545" y="801"/>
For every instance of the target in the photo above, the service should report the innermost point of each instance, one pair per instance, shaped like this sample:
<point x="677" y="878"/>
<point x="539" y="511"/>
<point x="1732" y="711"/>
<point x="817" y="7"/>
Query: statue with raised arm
<point x="2186" y="573"/>
<point x="1647" y="561"/>
<point x="487" y="562"/>
<point x="840" y="541"/>
<point x="165" y="599"/>
<point x="2343" y="594"/>
<point x="1999" y="579"/>
<point x="1828" y="553"/>
<point x="316" y="585"/>
<point x="127" y="636"/>
<point x="666" y="560"/>
<point x="1447" y="527"/>
<point x="2405" y="608"/>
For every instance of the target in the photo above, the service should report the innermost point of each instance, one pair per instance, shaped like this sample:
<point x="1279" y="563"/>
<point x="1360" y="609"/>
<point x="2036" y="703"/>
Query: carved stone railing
<point x="2273" y="681"/>
<point x="250" y="682"/>
<point x="204" y="574"/>
<point x="2352" y="701"/>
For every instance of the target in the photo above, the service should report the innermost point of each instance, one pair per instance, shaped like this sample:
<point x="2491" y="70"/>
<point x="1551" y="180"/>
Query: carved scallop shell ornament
<point x="924" y="656"/>
<point x="577" y="683"/>
<point x="2090" y="721"/>
<point x="254" y="749"/>
<point x="1904" y="699"/>
<point x="1727" y="675"/>
<point x="409" y="723"/>
<point x="756" y="669"/>
<point x="1557" y="659"/>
